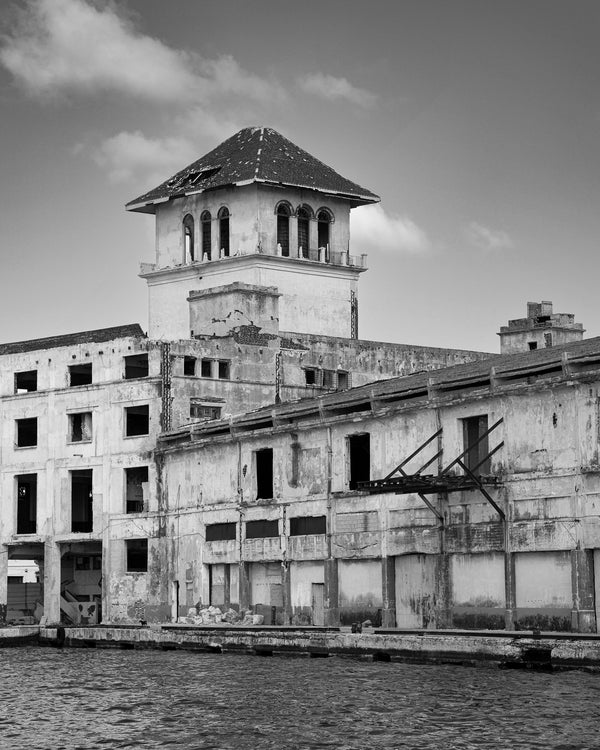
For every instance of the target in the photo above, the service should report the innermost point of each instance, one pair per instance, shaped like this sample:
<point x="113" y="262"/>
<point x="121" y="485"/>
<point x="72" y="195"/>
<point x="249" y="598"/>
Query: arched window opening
<point x="323" y="236"/>
<point x="283" y="228"/>
<point x="205" y="223"/>
<point x="188" y="239"/>
<point x="303" y="232"/>
<point x="224" y="231"/>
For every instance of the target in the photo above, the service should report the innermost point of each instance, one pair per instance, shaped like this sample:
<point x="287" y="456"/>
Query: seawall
<point x="494" y="648"/>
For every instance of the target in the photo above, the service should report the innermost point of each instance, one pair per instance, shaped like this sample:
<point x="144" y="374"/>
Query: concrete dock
<point x="522" y="649"/>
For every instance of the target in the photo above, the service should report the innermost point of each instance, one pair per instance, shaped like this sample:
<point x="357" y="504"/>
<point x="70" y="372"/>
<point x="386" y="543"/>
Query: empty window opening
<point x="205" y="222"/>
<point x="475" y="459"/>
<point x="136" y="488"/>
<point x="27" y="432"/>
<point x="188" y="238"/>
<point x="82" y="501"/>
<point x="220" y="532"/>
<point x="137" y="420"/>
<point x="283" y="228"/>
<point x="26" y="382"/>
<point x="262" y="529"/>
<point x="80" y="427"/>
<point x="304" y="525"/>
<point x="189" y="365"/>
<point x="136" y="366"/>
<point x="343" y="380"/>
<point x="532" y="345"/>
<point x="264" y="473"/>
<point x="224" y="369"/>
<point x="311" y="375"/>
<point x="224" y="231"/>
<point x="303" y="232"/>
<point x="323" y="222"/>
<point x="203" y="410"/>
<point x="359" y="448"/>
<point x="26" y="504"/>
<point x="206" y="368"/>
<point x="547" y="339"/>
<point x="137" y="555"/>
<point x="80" y="374"/>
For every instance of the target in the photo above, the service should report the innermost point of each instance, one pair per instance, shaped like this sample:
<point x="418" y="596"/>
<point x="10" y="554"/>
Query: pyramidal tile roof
<point x="259" y="155"/>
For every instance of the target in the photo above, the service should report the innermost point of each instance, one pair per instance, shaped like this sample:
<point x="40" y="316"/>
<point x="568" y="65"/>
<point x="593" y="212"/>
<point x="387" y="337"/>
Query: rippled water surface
<point x="87" y="699"/>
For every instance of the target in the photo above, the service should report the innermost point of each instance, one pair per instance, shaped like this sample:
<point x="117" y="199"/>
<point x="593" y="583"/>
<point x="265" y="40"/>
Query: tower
<point x="264" y="226"/>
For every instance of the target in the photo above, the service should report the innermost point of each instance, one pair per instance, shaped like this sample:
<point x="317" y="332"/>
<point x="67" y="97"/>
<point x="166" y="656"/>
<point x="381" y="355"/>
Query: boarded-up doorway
<point x="318" y="604"/>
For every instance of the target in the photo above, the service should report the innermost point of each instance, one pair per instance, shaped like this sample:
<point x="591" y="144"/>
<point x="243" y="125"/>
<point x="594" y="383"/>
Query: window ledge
<point x="24" y="447"/>
<point x="80" y="442"/>
<point x="132" y="437"/>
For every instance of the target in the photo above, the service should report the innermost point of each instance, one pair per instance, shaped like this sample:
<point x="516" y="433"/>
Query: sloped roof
<point x="255" y="155"/>
<point x="72" y="339"/>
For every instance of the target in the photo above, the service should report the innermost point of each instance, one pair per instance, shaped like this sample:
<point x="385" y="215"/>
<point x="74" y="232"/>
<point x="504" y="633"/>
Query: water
<point x="89" y="699"/>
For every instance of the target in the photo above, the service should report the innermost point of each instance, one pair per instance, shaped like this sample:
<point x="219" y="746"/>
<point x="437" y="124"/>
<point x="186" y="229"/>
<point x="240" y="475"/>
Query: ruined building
<point x="253" y="302"/>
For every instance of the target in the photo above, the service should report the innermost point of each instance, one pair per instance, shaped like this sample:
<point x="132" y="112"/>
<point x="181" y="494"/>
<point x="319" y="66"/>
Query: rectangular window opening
<point x="206" y="368"/>
<point x="26" y="382"/>
<point x="136" y="489"/>
<point x="264" y="474"/>
<point x="27" y="432"/>
<point x="137" y="555"/>
<point x="80" y="427"/>
<point x="137" y="420"/>
<point x="136" y="366"/>
<point x="359" y="447"/>
<point x="26" y="503"/>
<point x="532" y="345"/>
<point x="262" y="529"/>
<point x="220" y="532"/>
<point x="305" y="525"/>
<point x="310" y="375"/>
<point x="343" y="380"/>
<point x="82" y="501"/>
<point x="200" y="410"/>
<point x="80" y="374"/>
<point x="473" y="429"/>
<point x="329" y="379"/>
<point x="224" y="369"/>
<point x="189" y="365"/>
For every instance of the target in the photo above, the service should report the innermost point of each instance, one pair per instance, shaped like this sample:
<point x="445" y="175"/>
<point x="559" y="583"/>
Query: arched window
<point x="205" y="223"/>
<point x="283" y="228"/>
<point x="224" y="231"/>
<point x="303" y="231"/>
<point x="323" y="237"/>
<point x="188" y="238"/>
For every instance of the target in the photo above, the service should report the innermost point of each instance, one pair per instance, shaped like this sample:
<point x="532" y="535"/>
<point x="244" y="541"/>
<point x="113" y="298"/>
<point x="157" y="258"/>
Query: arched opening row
<point x="303" y="215"/>
<point x="191" y="251"/>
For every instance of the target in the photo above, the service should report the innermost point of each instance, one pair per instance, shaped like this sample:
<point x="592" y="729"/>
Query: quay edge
<point x="524" y="649"/>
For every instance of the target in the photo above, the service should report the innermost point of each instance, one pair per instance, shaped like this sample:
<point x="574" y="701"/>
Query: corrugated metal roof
<point x="71" y="339"/>
<point x="255" y="155"/>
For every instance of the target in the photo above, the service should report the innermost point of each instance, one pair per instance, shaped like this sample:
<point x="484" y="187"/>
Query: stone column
<point x="244" y="584"/>
<point x="583" y="614"/>
<point x="388" y="586"/>
<point x="444" y="596"/>
<point x="287" y="594"/>
<point x="293" y="237"/>
<point x="332" y="612"/>
<point x="313" y="236"/>
<point x="3" y="583"/>
<point x="52" y="576"/>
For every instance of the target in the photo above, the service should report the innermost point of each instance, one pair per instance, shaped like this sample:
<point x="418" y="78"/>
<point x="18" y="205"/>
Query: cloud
<point x="372" y="229"/>
<point x="62" y="47"/>
<point x="330" y="87"/>
<point x="128" y="154"/>
<point x="488" y="239"/>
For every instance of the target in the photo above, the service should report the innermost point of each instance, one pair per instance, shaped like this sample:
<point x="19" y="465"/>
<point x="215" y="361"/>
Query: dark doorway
<point x="359" y="447"/>
<point x="82" y="501"/>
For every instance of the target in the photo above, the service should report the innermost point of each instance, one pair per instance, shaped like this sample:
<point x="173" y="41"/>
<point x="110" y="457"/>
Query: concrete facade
<point x="82" y="491"/>
<point x="523" y="558"/>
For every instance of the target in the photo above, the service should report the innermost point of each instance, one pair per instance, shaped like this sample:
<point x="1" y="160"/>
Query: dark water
<point x="53" y="699"/>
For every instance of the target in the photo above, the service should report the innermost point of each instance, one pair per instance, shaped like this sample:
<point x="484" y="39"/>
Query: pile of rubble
<point x="215" y="616"/>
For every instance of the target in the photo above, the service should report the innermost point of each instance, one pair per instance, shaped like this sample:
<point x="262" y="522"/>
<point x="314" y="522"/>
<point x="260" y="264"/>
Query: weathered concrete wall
<point x="544" y="594"/>
<point x="478" y="591"/>
<point x="360" y="591"/>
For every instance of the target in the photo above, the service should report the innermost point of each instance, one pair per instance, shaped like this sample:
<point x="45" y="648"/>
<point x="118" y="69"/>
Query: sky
<point x="476" y="121"/>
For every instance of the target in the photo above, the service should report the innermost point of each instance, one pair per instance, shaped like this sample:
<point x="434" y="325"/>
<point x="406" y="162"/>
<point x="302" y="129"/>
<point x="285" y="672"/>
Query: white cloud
<point x="76" y="47"/>
<point x="488" y="239"/>
<point x="128" y="154"/>
<point x="372" y="229"/>
<point x="330" y="87"/>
